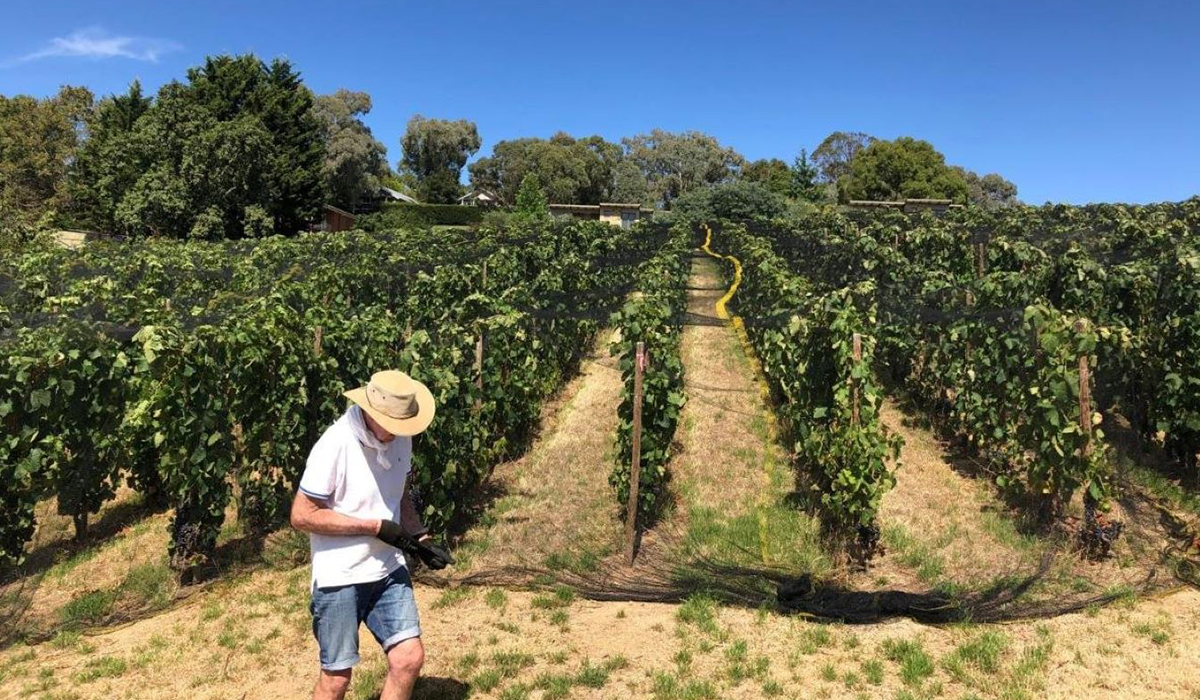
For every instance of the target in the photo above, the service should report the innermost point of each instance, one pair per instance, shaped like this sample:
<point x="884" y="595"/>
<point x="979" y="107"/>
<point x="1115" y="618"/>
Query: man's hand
<point x="433" y="556"/>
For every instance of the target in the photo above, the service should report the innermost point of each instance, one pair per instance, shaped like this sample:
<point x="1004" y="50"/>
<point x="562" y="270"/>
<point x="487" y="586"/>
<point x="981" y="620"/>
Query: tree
<point x="354" y="160"/>
<point x="804" y="184"/>
<point x="675" y="164"/>
<point x="989" y="191"/>
<point x="629" y="183"/>
<point x="738" y="200"/>
<point x="38" y="142"/>
<point x="833" y="156"/>
<point x="108" y="164"/>
<point x="770" y="173"/>
<point x="235" y="151"/>
<point x="531" y="200"/>
<point x="435" y="151"/>
<point x="570" y="170"/>
<point x="906" y="167"/>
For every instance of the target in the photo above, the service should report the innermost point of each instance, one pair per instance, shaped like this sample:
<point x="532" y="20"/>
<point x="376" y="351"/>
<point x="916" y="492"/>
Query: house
<point x="333" y="219"/>
<point x="622" y="214"/>
<point x="480" y="198"/>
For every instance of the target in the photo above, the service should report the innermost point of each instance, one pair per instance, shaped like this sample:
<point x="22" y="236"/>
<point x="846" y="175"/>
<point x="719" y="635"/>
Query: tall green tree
<point x="435" y="151"/>
<point x="737" y="200"/>
<point x="832" y="157"/>
<point x="906" y="167"/>
<point x="531" y="200"/>
<point x="677" y="163"/>
<point x="108" y="163"/>
<point x="570" y="170"/>
<point x="991" y="191"/>
<point x="38" y="142"/>
<point x="235" y="151"/>
<point x="770" y="173"/>
<point x="354" y="160"/>
<point x="804" y="180"/>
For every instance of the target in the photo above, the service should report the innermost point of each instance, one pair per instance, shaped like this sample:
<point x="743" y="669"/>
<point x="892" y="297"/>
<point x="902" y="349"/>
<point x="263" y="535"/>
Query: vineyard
<point x="203" y="372"/>
<point x="1019" y="342"/>
<point x="1016" y="333"/>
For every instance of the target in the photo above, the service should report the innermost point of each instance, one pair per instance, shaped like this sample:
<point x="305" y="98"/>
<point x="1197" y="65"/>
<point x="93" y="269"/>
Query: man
<point x="354" y="503"/>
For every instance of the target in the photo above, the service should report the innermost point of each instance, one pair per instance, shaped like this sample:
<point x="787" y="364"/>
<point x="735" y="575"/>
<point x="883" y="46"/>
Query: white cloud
<point x="96" y="43"/>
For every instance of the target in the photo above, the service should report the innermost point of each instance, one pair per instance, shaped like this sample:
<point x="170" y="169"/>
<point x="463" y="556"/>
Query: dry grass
<point x="722" y="424"/>
<point x="250" y="638"/>
<point x="557" y="509"/>
<point x="946" y="530"/>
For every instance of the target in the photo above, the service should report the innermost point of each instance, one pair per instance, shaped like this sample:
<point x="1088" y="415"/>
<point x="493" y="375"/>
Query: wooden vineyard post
<point x="479" y="371"/>
<point x="635" y="462"/>
<point x="317" y="336"/>
<point x="980" y="256"/>
<point x="1085" y="396"/>
<point x="854" y="382"/>
<point x="479" y="350"/>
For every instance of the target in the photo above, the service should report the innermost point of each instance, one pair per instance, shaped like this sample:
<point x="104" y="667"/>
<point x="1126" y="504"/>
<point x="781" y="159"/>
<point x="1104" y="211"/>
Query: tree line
<point x="242" y="148"/>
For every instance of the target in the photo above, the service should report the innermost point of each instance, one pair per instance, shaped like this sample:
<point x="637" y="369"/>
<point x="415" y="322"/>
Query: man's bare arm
<point x="311" y="515"/>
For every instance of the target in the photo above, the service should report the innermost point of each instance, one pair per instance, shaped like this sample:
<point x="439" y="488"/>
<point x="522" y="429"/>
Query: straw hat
<point x="399" y="403"/>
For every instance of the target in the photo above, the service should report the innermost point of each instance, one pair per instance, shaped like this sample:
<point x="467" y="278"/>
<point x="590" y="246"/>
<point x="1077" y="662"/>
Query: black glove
<point x="432" y="555"/>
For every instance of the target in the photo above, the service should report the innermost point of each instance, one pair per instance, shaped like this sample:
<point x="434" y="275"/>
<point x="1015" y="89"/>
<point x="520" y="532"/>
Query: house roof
<point x="396" y="194"/>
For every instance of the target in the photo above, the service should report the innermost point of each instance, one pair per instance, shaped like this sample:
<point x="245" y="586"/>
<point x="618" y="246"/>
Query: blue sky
<point x="1073" y="101"/>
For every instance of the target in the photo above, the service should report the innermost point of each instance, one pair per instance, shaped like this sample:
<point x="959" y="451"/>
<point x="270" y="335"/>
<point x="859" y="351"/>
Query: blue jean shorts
<point x="386" y="605"/>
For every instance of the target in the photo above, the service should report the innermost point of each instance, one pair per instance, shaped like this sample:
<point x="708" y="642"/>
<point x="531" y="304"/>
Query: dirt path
<point x="557" y="509"/>
<point x="720" y="463"/>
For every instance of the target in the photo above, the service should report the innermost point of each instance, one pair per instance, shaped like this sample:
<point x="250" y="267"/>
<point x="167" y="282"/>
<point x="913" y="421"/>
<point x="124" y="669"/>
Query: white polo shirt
<point x="355" y="474"/>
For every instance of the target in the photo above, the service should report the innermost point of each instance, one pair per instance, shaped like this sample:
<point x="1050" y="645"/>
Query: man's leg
<point x="335" y="625"/>
<point x="404" y="666"/>
<point x="332" y="685"/>
<point x="394" y="621"/>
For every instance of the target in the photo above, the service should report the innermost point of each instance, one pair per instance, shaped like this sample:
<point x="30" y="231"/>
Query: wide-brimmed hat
<point x="399" y="403"/>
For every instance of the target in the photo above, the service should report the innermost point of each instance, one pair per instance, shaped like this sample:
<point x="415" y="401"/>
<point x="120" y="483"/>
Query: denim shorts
<point x="386" y="605"/>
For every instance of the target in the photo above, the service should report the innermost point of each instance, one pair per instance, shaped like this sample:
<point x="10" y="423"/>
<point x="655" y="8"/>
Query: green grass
<point x="700" y="611"/>
<point x="496" y="599"/>
<point x="451" y="597"/>
<point x="928" y="564"/>
<point x="103" y="667"/>
<point x="510" y="663"/>
<point x="813" y="638"/>
<point x="554" y="685"/>
<point x="468" y="663"/>
<point x="486" y="680"/>
<point x="590" y="676"/>
<point x="508" y="627"/>
<point x="982" y="652"/>
<point x="1157" y="632"/>
<point x="915" y="664"/>
<point x="517" y="691"/>
<point x="88" y="609"/>
<point x="873" y="671"/>
<point x="562" y="597"/>
<point x="582" y="562"/>
<point x="668" y="687"/>
<point x="829" y="672"/>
